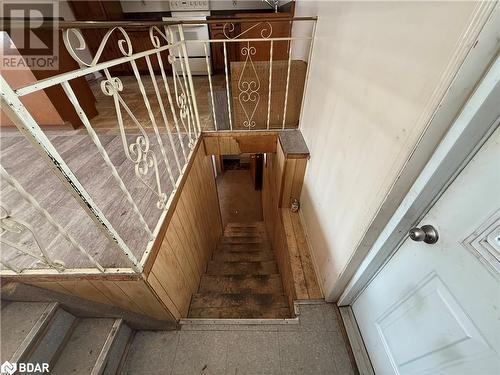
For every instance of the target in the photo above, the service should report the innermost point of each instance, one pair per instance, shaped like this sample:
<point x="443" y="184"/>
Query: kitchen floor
<point x="106" y="119"/>
<point x="315" y="345"/>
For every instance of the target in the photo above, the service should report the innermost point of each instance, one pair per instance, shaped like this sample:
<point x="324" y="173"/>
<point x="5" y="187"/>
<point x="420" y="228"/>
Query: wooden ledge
<point x="293" y="144"/>
<point x="240" y="142"/>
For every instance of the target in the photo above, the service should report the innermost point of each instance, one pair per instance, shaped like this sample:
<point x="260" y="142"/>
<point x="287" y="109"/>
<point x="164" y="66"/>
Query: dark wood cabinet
<point x="217" y="49"/>
<point x="139" y="38"/>
<point x="277" y="29"/>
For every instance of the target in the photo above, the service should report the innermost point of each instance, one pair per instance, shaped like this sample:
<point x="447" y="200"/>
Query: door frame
<point x="476" y="121"/>
<point x="474" y="52"/>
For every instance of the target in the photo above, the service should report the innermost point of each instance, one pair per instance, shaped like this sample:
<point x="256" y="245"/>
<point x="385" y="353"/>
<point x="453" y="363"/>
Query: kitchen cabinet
<point x="112" y="11"/>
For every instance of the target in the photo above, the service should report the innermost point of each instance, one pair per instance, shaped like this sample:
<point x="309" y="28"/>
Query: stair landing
<point x="242" y="280"/>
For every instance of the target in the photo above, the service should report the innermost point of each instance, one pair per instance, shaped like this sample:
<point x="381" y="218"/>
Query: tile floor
<point x="314" y="346"/>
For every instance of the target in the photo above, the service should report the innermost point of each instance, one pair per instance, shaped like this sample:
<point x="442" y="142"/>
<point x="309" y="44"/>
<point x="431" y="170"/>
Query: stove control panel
<point x="180" y="5"/>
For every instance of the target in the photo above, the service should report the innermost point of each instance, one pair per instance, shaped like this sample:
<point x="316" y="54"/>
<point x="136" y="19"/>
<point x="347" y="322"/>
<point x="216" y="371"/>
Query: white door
<point x="435" y="308"/>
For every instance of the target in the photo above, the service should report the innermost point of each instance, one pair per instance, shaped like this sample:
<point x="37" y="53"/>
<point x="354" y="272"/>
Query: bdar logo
<point x="8" y="368"/>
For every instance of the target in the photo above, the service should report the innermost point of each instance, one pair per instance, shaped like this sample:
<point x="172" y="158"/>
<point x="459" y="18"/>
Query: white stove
<point x="189" y="5"/>
<point x="193" y="10"/>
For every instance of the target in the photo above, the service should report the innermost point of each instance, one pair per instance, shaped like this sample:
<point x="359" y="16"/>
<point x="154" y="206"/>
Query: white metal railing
<point x="157" y="147"/>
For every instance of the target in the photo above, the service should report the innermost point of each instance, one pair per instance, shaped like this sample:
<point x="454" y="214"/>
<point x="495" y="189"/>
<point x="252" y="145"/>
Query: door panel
<point x="435" y="308"/>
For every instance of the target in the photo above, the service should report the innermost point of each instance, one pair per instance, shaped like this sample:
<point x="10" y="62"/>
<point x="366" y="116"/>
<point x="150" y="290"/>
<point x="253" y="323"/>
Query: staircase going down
<point x="45" y="333"/>
<point x="242" y="280"/>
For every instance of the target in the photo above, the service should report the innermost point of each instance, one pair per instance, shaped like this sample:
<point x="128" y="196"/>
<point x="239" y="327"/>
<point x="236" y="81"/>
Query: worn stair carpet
<point x="242" y="280"/>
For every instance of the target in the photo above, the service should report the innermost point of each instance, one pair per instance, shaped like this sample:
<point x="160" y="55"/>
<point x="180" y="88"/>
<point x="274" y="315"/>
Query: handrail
<point x="142" y="24"/>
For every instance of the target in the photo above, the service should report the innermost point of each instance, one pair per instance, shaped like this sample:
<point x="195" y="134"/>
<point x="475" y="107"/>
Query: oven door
<point x="193" y="33"/>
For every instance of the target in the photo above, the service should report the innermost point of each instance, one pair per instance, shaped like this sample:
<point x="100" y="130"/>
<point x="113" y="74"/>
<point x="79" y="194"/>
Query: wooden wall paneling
<point x="116" y="295"/>
<point x="188" y="221"/>
<point x="272" y="221"/>
<point x="240" y="142"/>
<point x="286" y="187"/>
<point x="132" y="295"/>
<point x="148" y="301"/>
<point x="283" y="177"/>
<point x="229" y="146"/>
<point x="298" y="179"/>
<point x="163" y="295"/>
<point x="86" y="290"/>
<point x="51" y="285"/>
<point x="186" y="241"/>
<point x="182" y="257"/>
<point x="211" y="145"/>
<point x="191" y="236"/>
<point x="169" y="275"/>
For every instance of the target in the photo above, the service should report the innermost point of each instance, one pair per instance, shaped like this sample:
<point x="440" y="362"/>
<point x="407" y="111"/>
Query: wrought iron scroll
<point x="248" y="83"/>
<point x="19" y="228"/>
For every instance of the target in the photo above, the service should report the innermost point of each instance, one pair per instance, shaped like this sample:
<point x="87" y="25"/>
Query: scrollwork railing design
<point x="249" y="88"/>
<point x="11" y="226"/>
<point x="249" y="95"/>
<point x="139" y="151"/>
<point x="181" y="88"/>
<point x="265" y="33"/>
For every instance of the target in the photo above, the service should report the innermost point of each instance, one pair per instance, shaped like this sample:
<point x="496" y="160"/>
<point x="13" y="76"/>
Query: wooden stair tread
<point x="254" y="284"/>
<point x="243" y="256"/>
<point x="240" y="313"/>
<point x="242" y="278"/>
<point x="235" y="247"/>
<point x="201" y="300"/>
<point x="242" y="239"/>
<point x="242" y="268"/>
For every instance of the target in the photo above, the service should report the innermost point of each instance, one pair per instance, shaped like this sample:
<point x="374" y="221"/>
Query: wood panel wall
<point x="190" y="238"/>
<point x="236" y="143"/>
<point x="173" y="270"/>
<point x="283" y="177"/>
<point x="132" y="294"/>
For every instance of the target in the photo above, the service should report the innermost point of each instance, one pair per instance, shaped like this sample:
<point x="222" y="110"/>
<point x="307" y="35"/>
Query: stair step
<point x="112" y="352"/>
<point x="234" y="247"/>
<point x="84" y="346"/>
<point x="242" y="268"/>
<point x="24" y="320"/>
<point x="211" y="300"/>
<point x="244" y="235"/>
<point x="244" y="230"/>
<point x="240" y="313"/>
<point x="251" y="224"/>
<point x="53" y="337"/>
<point x="257" y="284"/>
<point x="243" y="256"/>
<point x="242" y="240"/>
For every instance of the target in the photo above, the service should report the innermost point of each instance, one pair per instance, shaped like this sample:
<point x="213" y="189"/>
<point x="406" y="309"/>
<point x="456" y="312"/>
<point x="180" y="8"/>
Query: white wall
<point x="374" y="71"/>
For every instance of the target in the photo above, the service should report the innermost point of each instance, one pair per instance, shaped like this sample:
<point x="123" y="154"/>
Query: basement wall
<point x="377" y="74"/>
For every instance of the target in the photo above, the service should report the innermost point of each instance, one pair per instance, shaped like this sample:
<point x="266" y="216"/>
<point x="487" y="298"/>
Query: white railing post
<point x="171" y="103"/>
<point x="270" y="83"/>
<point x="227" y="87"/>
<point x="209" y="70"/>
<point x="308" y="69"/>
<point x="22" y="119"/>
<point x="189" y="76"/>
<point x="163" y="113"/>
<point x="287" y="77"/>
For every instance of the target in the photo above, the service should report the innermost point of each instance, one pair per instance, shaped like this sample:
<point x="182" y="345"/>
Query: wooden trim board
<point x="357" y="344"/>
